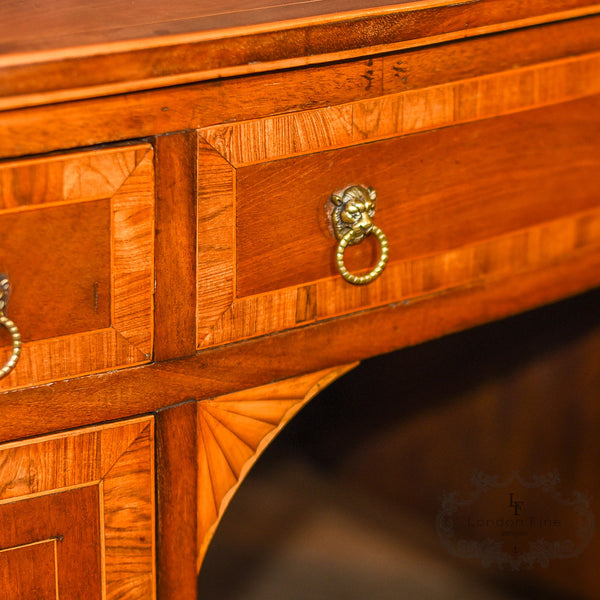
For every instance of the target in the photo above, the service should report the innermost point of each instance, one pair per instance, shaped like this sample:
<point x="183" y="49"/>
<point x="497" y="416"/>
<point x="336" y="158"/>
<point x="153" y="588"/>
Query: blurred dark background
<point x="343" y="503"/>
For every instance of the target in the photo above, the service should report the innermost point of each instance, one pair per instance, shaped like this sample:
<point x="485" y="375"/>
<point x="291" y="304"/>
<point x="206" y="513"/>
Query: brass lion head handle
<point x="352" y="218"/>
<point x="10" y="364"/>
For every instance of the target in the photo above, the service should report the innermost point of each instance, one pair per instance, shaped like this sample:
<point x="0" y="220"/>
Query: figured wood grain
<point x="216" y="236"/>
<point x="259" y="314"/>
<point x="155" y="61"/>
<point x="102" y="350"/>
<point x="63" y="460"/>
<point x="502" y="257"/>
<point x="75" y="177"/>
<point x="407" y="112"/>
<point x="78" y="246"/>
<point x="283" y="135"/>
<point x="129" y="524"/>
<point x="71" y="24"/>
<point x="536" y="247"/>
<point x="133" y="255"/>
<point x="78" y="266"/>
<point x="458" y="287"/>
<point x="70" y="18"/>
<point x="125" y="117"/>
<point x="466" y="59"/>
<point x="91" y="492"/>
<point x="233" y="430"/>
<point x="57" y="463"/>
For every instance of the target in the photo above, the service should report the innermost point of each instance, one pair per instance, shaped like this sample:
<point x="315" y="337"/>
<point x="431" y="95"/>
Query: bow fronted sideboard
<point x="210" y="211"/>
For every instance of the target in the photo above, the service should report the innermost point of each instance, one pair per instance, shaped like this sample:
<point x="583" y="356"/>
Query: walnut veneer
<point x="164" y="187"/>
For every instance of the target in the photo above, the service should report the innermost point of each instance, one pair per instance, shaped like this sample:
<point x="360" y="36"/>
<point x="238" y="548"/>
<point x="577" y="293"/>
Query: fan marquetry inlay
<point x="235" y="429"/>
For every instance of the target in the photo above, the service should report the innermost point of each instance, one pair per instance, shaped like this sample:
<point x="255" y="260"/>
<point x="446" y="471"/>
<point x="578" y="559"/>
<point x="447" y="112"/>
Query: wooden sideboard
<point x="166" y="178"/>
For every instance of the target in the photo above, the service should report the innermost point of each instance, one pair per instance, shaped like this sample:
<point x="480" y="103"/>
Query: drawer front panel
<point x="77" y="245"/>
<point x="77" y="514"/>
<point x="32" y="569"/>
<point x="58" y="259"/>
<point x="36" y="519"/>
<point x="475" y="179"/>
<point x="436" y="191"/>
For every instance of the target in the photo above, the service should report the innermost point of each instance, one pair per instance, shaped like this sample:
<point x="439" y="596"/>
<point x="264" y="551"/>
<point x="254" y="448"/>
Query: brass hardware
<point x="12" y="328"/>
<point x="352" y="223"/>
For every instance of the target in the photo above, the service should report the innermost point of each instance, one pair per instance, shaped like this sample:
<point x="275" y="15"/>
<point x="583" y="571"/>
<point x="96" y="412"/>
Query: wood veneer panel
<point x="506" y="256"/>
<point x="129" y="521"/>
<point x="58" y="260"/>
<point x="78" y="246"/>
<point x="216" y="236"/>
<point x="90" y="492"/>
<point x="462" y="101"/>
<point x="158" y="62"/>
<point x="29" y="571"/>
<point x="185" y="107"/>
<point x="69" y="519"/>
<point x="71" y="22"/>
<point x="436" y="191"/>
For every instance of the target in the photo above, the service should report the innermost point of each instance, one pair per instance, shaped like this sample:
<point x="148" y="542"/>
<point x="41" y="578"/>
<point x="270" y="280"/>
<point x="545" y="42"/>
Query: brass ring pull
<point x="10" y="364"/>
<point x="352" y="223"/>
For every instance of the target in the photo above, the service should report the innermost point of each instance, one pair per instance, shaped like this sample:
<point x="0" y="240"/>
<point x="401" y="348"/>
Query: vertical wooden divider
<point x="177" y="478"/>
<point x="175" y="294"/>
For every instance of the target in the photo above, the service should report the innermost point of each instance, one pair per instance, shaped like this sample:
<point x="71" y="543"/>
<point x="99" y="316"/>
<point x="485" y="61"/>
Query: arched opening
<point x="346" y="502"/>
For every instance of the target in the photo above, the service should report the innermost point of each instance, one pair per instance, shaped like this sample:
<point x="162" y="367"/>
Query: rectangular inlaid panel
<point x="71" y="520"/>
<point x="77" y="243"/>
<point x="59" y="261"/>
<point x="477" y="179"/>
<point x="29" y="571"/>
<point x="80" y="506"/>
<point x="436" y="191"/>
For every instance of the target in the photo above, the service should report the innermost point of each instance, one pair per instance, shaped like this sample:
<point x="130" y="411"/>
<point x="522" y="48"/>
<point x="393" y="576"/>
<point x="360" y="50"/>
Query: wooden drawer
<point x="76" y="237"/>
<point x="80" y="509"/>
<point x="476" y="179"/>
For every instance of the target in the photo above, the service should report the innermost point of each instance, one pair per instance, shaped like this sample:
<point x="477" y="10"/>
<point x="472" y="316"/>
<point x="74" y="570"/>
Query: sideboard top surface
<point x="68" y="49"/>
<point x="73" y="23"/>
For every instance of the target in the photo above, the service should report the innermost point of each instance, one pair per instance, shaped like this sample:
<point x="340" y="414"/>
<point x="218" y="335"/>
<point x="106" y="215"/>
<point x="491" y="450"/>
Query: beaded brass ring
<point x="10" y="364"/>
<point x="352" y="223"/>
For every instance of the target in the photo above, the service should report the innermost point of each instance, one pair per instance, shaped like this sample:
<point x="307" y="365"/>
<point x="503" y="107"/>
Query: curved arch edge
<point x="234" y="430"/>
